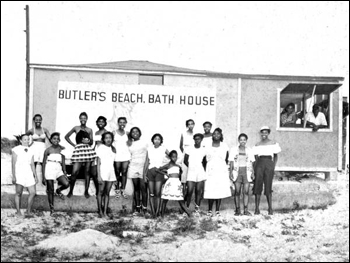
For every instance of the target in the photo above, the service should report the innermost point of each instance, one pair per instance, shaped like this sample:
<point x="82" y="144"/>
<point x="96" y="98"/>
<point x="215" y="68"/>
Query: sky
<point x="279" y="38"/>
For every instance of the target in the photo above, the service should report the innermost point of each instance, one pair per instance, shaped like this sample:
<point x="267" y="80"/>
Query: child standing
<point x="105" y="171"/>
<point x="24" y="173"/>
<point x="54" y="168"/>
<point x="241" y="172"/>
<point x="173" y="189"/>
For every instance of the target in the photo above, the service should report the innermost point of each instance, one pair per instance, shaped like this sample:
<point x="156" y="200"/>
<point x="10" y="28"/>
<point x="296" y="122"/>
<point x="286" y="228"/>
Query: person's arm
<point x="14" y="161"/>
<point x="47" y="133"/>
<point x="68" y="135"/>
<point x="204" y="163"/>
<point x="99" y="178"/>
<point x="145" y="169"/>
<point x="44" y="166"/>
<point x="186" y="159"/>
<point x="91" y="142"/>
<point x="231" y="170"/>
<point x="323" y="124"/>
<point x="32" y="165"/>
<point x="64" y="170"/>
<point x="275" y="158"/>
<point x="226" y="159"/>
<point x="182" y="143"/>
<point x="294" y="118"/>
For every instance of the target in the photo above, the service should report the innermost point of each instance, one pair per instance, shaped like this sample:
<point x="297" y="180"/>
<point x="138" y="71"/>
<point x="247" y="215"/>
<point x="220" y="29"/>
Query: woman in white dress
<point x="137" y="169"/>
<point x="217" y="185"/>
<point x="23" y="173"/>
<point x="186" y="141"/>
<point x="265" y="153"/>
<point x="196" y="176"/>
<point x="122" y="157"/>
<point x="105" y="172"/>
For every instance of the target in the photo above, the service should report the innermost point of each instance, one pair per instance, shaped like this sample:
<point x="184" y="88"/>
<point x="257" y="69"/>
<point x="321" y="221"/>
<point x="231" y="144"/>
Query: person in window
<point x="316" y="119"/>
<point x="288" y="116"/>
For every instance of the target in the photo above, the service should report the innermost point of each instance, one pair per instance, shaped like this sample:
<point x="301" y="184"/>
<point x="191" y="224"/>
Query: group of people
<point x="315" y="119"/>
<point x="205" y="167"/>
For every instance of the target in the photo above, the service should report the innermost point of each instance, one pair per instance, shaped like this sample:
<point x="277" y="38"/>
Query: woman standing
<point x="208" y="135"/>
<point x="156" y="155"/>
<point x="196" y="162"/>
<point x="105" y="170"/>
<point x="217" y="185"/>
<point x="137" y="169"/>
<point x="241" y="172"/>
<point x="23" y="173"/>
<point x="266" y="158"/>
<point x="54" y="168"/>
<point x="39" y="135"/>
<point x="122" y="157"/>
<point x="79" y="158"/>
<point x="186" y="141"/>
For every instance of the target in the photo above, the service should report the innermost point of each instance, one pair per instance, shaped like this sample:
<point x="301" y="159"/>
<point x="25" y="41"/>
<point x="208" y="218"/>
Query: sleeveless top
<point x="174" y="170"/>
<point x="39" y="136"/>
<point x="54" y="157"/>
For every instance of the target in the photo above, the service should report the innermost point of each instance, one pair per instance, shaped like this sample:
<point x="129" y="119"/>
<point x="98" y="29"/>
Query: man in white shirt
<point x="316" y="119"/>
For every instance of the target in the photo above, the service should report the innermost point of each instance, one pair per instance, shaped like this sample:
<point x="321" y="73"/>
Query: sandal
<point x="210" y="213"/>
<point x="246" y="212"/>
<point x="124" y="194"/>
<point x="238" y="211"/>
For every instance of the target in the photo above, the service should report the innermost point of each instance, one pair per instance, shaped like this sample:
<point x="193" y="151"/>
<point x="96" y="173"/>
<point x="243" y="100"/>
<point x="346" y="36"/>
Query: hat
<point x="265" y="128"/>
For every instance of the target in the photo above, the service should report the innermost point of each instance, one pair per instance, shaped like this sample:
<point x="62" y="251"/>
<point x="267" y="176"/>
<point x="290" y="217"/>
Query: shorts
<point x="154" y="176"/>
<point x="53" y="170"/>
<point x="242" y="176"/>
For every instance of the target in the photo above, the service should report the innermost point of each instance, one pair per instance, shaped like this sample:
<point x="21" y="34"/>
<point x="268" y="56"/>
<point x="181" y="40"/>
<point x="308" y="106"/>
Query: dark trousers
<point x="264" y="172"/>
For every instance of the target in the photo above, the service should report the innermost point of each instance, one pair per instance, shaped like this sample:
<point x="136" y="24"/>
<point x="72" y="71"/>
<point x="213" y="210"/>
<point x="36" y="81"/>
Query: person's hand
<point x="99" y="179"/>
<point x="231" y="177"/>
<point x="86" y="140"/>
<point x="36" y="180"/>
<point x="44" y="181"/>
<point x="315" y="128"/>
<point x="146" y="179"/>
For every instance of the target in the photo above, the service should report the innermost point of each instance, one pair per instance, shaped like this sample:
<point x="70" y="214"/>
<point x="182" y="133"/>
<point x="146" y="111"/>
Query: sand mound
<point x="85" y="241"/>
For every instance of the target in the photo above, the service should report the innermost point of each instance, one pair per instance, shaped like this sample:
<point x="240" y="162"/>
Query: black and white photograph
<point x="195" y="131"/>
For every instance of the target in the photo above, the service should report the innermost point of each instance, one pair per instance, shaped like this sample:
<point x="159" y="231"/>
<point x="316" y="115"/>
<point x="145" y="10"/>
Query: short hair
<point x="104" y="136"/>
<point x="122" y="118"/>
<point x="268" y="130"/>
<point x="243" y="135"/>
<point x="316" y="106"/>
<point x="172" y="152"/>
<point x="133" y="128"/>
<point x="37" y="115"/>
<point x="83" y="114"/>
<point x="188" y="121"/>
<point x="207" y="122"/>
<point x="220" y="131"/>
<point x="101" y="118"/>
<point x="159" y="135"/>
<point x="22" y="135"/>
<point x="198" y="134"/>
<point x="54" y="134"/>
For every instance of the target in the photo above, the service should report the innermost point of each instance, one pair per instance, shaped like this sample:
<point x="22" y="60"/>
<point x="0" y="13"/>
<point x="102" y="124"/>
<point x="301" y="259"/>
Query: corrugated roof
<point x="147" y="66"/>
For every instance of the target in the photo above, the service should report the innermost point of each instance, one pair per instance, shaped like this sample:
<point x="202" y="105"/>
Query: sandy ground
<point x="302" y="235"/>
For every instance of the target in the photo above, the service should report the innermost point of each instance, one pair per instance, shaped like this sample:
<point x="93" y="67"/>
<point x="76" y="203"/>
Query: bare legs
<point x="50" y="190"/>
<point x="181" y="203"/>
<point x="121" y="169"/>
<point x="198" y="188"/>
<point x="18" y="198"/>
<point x="75" y="173"/>
<point x="140" y="189"/>
<point x="93" y="175"/>
<point x="103" y="197"/>
<point x="211" y="203"/>
<point x="238" y="190"/>
<point x="155" y="189"/>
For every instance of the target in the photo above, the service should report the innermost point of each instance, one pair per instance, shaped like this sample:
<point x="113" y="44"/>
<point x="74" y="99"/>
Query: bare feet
<point x="18" y="214"/>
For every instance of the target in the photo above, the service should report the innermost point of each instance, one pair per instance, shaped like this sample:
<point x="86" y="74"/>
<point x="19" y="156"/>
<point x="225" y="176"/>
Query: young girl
<point x="39" y="135"/>
<point x="105" y="171"/>
<point x="24" y="173"/>
<point x="82" y="154"/>
<point x="265" y="153"/>
<point x="54" y="168"/>
<point x="217" y="185"/>
<point x="80" y="162"/>
<point x="208" y="136"/>
<point x="122" y="157"/>
<point x="137" y="169"/>
<point x="195" y="160"/>
<point x="156" y="155"/>
<point x="241" y="172"/>
<point x="173" y="189"/>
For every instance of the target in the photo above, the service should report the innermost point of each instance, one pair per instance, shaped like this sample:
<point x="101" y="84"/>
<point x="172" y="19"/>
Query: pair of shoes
<point x="270" y="212"/>
<point x="246" y="212"/>
<point x="238" y="211"/>
<point x="117" y="194"/>
<point x="210" y="213"/>
<point x="144" y="209"/>
<point x="218" y="214"/>
<point x="257" y="212"/>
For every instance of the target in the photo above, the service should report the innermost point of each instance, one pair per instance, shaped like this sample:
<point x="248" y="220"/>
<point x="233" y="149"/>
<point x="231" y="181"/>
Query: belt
<point x="54" y="161"/>
<point x="265" y="157"/>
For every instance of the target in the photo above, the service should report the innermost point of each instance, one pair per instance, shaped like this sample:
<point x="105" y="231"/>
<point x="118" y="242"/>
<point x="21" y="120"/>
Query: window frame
<point x="325" y="130"/>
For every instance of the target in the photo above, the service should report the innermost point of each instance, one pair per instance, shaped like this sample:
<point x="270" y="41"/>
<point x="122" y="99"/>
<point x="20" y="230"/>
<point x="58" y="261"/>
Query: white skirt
<point x="24" y="175"/>
<point x="173" y="190"/>
<point x="53" y="170"/>
<point x="38" y="148"/>
<point x="217" y="185"/>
